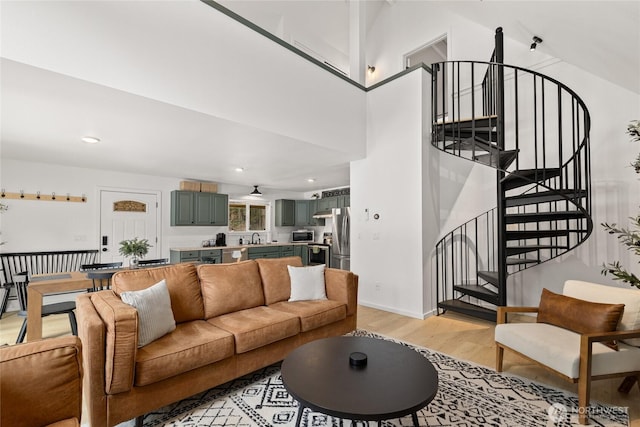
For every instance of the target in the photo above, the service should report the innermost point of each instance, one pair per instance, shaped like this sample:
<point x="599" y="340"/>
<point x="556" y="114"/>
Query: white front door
<point x="125" y="215"/>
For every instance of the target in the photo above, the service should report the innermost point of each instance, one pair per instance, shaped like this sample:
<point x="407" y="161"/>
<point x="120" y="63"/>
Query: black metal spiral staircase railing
<point x="534" y="131"/>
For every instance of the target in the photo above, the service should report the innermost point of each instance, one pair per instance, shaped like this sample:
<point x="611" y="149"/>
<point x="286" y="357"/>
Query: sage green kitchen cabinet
<point x="212" y="256"/>
<point x="327" y="203"/>
<point x="211" y="209"/>
<point x="285" y="213"/>
<point x="286" y="251"/>
<point x="264" y="252"/>
<point x="344" y="201"/>
<point x="304" y="213"/>
<point x="302" y="252"/>
<point x="182" y="203"/>
<point x="195" y="208"/>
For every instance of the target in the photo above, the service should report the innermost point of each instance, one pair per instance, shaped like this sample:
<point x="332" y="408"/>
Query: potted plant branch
<point x="629" y="237"/>
<point x="134" y="248"/>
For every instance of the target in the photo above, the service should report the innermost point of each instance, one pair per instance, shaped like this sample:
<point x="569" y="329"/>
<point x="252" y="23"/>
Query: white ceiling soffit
<point x="159" y="84"/>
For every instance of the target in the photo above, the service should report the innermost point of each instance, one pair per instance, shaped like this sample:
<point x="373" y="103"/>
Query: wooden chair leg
<point x="584" y="393"/>
<point x="499" y="357"/>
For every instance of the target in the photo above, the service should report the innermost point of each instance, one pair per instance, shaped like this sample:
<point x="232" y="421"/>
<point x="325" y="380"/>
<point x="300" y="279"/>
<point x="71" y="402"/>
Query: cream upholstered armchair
<point x="582" y="335"/>
<point x="41" y="383"/>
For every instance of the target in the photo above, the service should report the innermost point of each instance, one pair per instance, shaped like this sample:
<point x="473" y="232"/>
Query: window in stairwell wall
<point x="433" y="52"/>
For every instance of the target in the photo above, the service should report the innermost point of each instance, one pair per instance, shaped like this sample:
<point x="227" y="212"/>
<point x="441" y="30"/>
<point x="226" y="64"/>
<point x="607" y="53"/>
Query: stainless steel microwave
<point x="302" y="236"/>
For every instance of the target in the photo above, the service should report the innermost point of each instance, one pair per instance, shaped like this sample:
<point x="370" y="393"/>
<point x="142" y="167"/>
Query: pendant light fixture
<point x="255" y="191"/>
<point x="536" y="41"/>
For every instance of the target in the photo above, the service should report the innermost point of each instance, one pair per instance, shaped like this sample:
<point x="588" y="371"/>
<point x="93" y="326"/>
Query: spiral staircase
<point x="534" y="131"/>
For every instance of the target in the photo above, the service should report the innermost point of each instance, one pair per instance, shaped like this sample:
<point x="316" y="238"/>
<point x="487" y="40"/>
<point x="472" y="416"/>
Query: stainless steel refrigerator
<point x="341" y="239"/>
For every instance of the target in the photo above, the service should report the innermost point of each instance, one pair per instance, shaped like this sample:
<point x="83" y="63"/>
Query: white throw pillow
<point x="307" y="283"/>
<point x="155" y="317"/>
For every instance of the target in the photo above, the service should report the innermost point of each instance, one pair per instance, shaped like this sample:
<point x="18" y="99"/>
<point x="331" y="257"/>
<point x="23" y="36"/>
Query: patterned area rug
<point x="468" y="395"/>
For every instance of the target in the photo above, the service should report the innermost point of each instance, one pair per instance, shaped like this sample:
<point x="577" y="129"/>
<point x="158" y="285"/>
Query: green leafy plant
<point x="134" y="247"/>
<point x="629" y="237"/>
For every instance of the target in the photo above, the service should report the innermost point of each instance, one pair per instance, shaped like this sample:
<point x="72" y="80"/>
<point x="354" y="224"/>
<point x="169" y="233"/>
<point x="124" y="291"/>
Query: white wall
<point x="44" y="225"/>
<point x="388" y="253"/>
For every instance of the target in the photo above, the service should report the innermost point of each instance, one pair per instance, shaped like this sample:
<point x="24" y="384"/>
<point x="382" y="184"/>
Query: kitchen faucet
<point x="254" y="242"/>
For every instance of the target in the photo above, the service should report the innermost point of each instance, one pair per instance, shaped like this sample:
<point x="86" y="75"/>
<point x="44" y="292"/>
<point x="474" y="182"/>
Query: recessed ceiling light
<point x="311" y="180"/>
<point x="239" y="169"/>
<point x="90" y="139"/>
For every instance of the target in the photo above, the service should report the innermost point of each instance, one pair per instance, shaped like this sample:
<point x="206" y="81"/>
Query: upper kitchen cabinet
<point x="285" y="213"/>
<point x="328" y="203"/>
<point x="304" y="213"/>
<point x="195" y="208"/>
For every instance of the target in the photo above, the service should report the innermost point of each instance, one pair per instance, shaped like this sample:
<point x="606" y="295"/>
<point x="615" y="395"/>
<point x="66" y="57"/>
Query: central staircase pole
<point x="501" y="226"/>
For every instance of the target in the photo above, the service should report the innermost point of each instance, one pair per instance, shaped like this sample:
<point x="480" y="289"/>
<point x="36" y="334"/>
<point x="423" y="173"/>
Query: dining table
<point x="51" y="283"/>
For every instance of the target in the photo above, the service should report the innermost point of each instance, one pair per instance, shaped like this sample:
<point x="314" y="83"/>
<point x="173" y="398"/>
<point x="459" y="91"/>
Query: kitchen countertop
<point x="259" y="245"/>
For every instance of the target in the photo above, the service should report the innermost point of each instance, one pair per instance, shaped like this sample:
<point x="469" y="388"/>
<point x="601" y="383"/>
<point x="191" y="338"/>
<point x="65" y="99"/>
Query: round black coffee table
<point x="396" y="380"/>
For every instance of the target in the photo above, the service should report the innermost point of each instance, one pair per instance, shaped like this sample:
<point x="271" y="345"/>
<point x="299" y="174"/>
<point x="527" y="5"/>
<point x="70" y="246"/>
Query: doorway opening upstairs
<point x="430" y="53"/>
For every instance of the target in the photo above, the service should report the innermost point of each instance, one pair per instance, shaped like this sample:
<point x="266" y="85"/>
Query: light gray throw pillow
<point x="155" y="317"/>
<point x="307" y="283"/>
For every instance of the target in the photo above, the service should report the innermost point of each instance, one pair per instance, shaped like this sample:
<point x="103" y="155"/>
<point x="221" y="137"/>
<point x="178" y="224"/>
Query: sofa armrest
<point x="342" y="285"/>
<point x="121" y="340"/>
<point x="41" y="382"/>
<point x="501" y="316"/>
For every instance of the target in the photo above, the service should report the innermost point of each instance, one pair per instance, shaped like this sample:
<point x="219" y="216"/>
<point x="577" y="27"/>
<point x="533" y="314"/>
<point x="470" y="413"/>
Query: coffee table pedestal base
<point x="301" y="409"/>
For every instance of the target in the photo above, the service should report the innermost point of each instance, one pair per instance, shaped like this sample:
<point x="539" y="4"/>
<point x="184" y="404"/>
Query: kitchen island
<point x="220" y="254"/>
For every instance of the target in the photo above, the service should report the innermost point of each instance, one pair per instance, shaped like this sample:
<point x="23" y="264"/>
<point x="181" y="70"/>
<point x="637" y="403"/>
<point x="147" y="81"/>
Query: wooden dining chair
<point x="101" y="279"/>
<point x="151" y="262"/>
<point x="66" y="307"/>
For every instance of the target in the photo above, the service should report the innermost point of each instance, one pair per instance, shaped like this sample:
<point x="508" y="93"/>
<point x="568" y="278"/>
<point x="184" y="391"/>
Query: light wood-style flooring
<point x="456" y="335"/>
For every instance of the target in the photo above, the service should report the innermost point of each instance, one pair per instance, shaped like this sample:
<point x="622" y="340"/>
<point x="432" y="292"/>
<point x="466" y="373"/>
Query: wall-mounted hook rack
<point x="43" y="197"/>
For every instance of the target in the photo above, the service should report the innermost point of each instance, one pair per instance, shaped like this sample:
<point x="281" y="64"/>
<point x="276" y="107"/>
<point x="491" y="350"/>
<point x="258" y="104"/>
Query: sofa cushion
<point x="190" y="346"/>
<point x="559" y="349"/>
<point x="307" y="283"/>
<point x="630" y="297"/>
<point x="313" y="314"/>
<point x="257" y="327"/>
<point x="153" y="305"/>
<point x="578" y="315"/>
<point x="227" y="288"/>
<point x="182" y="282"/>
<point x="275" y="277"/>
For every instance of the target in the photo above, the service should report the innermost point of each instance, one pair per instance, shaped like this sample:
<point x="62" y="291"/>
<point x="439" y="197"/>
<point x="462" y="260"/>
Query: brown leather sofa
<point x="41" y="383"/>
<point x="231" y="319"/>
